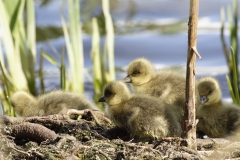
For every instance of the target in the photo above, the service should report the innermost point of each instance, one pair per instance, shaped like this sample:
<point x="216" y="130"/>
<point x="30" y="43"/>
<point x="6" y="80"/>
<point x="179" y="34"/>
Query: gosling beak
<point x="101" y="99"/>
<point x="203" y="99"/>
<point x="127" y="79"/>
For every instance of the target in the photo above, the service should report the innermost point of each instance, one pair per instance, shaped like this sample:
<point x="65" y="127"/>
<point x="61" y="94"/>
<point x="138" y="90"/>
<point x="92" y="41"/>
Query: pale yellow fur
<point x="139" y="115"/>
<point x="167" y="86"/>
<point x="216" y="119"/>
<point x="51" y="103"/>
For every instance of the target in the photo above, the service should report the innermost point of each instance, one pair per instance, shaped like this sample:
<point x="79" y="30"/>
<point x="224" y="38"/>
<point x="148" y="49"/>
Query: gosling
<point x="54" y="102"/>
<point x="139" y="115"/>
<point x="216" y="119"/>
<point x="166" y="85"/>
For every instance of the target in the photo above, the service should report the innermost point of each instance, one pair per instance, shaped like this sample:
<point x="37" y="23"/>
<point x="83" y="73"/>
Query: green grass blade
<point x="95" y="55"/>
<point x="234" y="38"/>
<point x="7" y="92"/>
<point x="225" y="48"/>
<point x="49" y="58"/>
<point x="76" y="40"/>
<point x="5" y="81"/>
<point x="73" y="41"/>
<point x="105" y="71"/>
<point x="230" y="89"/>
<point x="2" y="108"/>
<point x="235" y="78"/>
<point x="31" y="28"/>
<point x="232" y="57"/>
<point x="98" y="81"/>
<point x="110" y="38"/>
<point x="15" y="68"/>
<point x="31" y="44"/>
<point x="229" y="14"/>
<point x="20" y="4"/>
<point x="26" y="41"/>
<point x="62" y="72"/>
<point x="68" y="46"/>
<point x="2" y="60"/>
<point x="40" y="73"/>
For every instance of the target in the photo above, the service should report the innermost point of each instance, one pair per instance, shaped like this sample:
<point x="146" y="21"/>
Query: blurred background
<point x="155" y="29"/>
<point x="111" y="34"/>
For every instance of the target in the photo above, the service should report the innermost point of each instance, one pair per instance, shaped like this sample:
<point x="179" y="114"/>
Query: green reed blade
<point x="40" y="72"/>
<point x="225" y="48"/>
<point x="233" y="55"/>
<point x="235" y="78"/>
<point x="10" y="111"/>
<point x="76" y="40"/>
<point x="2" y="59"/>
<point x="14" y="64"/>
<point x="109" y="38"/>
<point x="234" y="36"/>
<point x="95" y="55"/>
<point x="2" y="108"/>
<point x="50" y="59"/>
<point x="68" y="46"/>
<point x="16" y="14"/>
<point x="62" y="72"/>
<point x="230" y="89"/>
<point x="31" y="28"/>
<point x="31" y="43"/>
<point x="73" y="44"/>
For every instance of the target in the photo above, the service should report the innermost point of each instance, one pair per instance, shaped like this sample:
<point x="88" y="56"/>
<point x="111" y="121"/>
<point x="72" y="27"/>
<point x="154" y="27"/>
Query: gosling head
<point x="139" y="71"/>
<point x="115" y="93"/>
<point x="209" y="91"/>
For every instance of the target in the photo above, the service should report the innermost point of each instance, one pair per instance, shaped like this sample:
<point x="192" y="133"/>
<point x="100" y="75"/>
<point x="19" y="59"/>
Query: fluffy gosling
<point x="140" y="115"/>
<point x="54" y="102"/>
<point x="166" y="85"/>
<point x="216" y="119"/>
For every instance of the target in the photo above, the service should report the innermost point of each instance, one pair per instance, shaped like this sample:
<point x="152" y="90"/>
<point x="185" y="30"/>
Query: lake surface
<point x="163" y="48"/>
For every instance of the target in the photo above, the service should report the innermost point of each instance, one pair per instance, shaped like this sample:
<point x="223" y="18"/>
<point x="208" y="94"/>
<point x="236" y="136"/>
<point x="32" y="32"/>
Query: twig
<point x="6" y="136"/>
<point x="196" y="52"/>
<point x="95" y="118"/>
<point x="39" y="154"/>
<point x="19" y="151"/>
<point x="56" y="119"/>
<point x="99" y="135"/>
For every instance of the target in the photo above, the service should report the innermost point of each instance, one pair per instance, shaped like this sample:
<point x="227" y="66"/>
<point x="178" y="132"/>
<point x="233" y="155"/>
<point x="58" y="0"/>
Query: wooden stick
<point x="189" y="124"/>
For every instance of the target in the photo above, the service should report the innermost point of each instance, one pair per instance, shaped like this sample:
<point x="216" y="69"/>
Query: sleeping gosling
<point x="216" y="119"/>
<point x="140" y="115"/>
<point x="54" y="102"/>
<point x="166" y="85"/>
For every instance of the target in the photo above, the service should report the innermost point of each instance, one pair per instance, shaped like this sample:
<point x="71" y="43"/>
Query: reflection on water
<point x="156" y="30"/>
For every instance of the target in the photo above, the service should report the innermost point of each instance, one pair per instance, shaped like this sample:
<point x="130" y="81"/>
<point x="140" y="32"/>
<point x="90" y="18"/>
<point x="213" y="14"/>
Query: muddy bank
<point x="91" y="135"/>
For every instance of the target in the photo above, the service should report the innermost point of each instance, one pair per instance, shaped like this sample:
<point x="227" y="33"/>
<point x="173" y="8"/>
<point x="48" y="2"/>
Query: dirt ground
<point x="91" y="135"/>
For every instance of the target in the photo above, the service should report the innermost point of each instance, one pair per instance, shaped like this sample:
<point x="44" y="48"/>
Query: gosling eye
<point x="135" y="73"/>
<point x="108" y="93"/>
<point x="210" y="91"/>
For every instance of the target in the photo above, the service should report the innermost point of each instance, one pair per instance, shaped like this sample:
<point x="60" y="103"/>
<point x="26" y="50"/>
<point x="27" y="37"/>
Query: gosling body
<point x="25" y="105"/>
<point x="168" y="86"/>
<point x="216" y="118"/>
<point x="139" y="115"/>
<point x="51" y="103"/>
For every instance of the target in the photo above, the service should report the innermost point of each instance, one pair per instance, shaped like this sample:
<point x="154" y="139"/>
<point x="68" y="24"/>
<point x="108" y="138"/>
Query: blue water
<point x="163" y="50"/>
